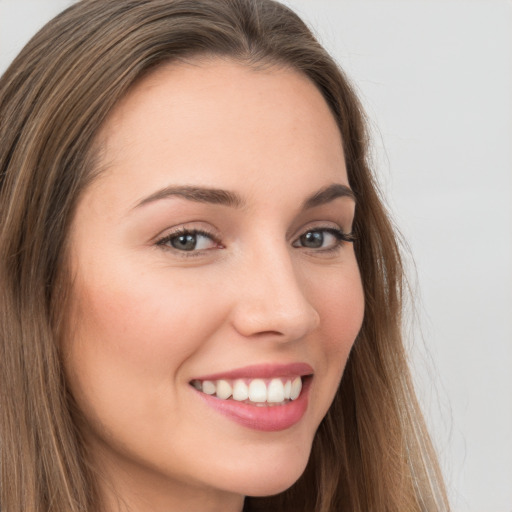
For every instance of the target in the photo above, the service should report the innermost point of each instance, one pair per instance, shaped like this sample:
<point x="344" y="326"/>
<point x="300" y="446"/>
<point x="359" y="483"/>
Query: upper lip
<point x="263" y="371"/>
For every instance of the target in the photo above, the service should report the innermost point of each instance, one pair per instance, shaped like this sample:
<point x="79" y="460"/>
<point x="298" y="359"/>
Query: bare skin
<point x="171" y="285"/>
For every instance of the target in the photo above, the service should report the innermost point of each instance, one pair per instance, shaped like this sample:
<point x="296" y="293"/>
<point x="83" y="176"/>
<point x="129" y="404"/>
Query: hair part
<point x="372" y="451"/>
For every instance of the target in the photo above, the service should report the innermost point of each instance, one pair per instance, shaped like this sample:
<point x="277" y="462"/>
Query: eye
<point x="189" y="241"/>
<point x="323" y="238"/>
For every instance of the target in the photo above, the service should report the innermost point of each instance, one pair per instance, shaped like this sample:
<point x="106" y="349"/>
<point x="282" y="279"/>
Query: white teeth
<point x="257" y="391"/>
<point x="296" y="388"/>
<point x="224" y="389"/>
<point x="275" y="392"/>
<point x="209" y="387"/>
<point x="240" y="391"/>
<point x="287" y="389"/>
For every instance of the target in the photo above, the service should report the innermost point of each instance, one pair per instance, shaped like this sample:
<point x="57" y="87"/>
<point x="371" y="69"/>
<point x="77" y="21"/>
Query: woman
<point x="193" y="254"/>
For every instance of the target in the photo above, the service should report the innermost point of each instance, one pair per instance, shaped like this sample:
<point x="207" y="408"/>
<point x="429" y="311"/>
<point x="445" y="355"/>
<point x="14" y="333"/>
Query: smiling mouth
<point x="258" y="392"/>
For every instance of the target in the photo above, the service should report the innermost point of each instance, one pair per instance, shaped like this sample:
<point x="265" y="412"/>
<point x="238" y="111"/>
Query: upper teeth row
<point x="256" y="390"/>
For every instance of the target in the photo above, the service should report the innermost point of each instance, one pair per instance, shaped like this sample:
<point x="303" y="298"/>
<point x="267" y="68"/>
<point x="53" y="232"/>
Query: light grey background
<point x="435" y="77"/>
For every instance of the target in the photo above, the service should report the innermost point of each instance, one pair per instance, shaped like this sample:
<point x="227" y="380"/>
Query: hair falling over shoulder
<point x="372" y="451"/>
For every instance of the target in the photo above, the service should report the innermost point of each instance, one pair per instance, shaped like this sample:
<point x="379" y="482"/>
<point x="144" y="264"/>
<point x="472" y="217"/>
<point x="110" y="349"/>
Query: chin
<point x="272" y="487"/>
<point x="274" y="478"/>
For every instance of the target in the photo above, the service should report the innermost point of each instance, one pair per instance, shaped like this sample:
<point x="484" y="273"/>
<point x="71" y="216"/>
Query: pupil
<point x="313" y="239"/>
<point x="184" y="242"/>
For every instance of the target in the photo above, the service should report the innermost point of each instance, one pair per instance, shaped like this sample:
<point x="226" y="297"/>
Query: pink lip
<point x="263" y="418"/>
<point x="262" y="371"/>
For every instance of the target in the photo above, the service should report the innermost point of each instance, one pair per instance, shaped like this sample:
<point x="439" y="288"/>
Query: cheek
<point x="141" y="318"/>
<point x="342" y="316"/>
<point x="340" y="303"/>
<point x="130" y="340"/>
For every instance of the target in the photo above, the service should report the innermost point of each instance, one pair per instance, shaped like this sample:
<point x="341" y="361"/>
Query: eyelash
<point x="340" y="235"/>
<point x="163" y="242"/>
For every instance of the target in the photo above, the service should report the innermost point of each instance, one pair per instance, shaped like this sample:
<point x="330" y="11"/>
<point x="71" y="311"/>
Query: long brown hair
<point x="371" y="452"/>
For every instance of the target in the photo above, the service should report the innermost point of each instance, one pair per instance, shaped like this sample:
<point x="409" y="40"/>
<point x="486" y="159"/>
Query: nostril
<point x="264" y="334"/>
<point x="278" y="321"/>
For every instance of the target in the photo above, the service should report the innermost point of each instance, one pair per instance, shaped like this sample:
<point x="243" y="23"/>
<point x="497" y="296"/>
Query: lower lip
<point x="265" y="418"/>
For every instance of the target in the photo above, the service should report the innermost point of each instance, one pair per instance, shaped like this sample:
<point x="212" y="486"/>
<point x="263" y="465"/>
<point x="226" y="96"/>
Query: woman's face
<point x="211" y="258"/>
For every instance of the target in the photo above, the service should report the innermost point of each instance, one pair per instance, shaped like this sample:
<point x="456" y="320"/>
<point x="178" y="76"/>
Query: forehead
<point x="218" y="120"/>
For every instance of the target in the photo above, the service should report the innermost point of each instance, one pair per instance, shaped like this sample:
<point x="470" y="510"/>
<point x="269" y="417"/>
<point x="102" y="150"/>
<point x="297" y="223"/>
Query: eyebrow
<point x="197" y="194"/>
<point x="328" y="194"/>
<point x="234" y="200"/>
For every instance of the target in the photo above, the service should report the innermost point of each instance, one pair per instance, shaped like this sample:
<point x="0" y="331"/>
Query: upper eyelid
<point x="189" y="227"/>
<point x="318" y="226"/>
<point x="346" y="236"/>
<point x="163" y="243"/>
<point x="215" y="237"/>
<point x="180" y="232"/>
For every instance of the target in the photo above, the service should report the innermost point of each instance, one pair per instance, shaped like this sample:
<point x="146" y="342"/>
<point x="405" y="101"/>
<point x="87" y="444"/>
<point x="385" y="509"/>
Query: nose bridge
<point x="271" y="298"/>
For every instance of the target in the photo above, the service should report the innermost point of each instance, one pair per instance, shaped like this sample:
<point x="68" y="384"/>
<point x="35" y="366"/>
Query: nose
<point x="272" y="300"/>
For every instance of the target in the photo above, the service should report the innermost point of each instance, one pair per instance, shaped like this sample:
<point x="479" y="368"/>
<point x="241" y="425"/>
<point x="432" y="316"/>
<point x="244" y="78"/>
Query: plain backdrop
<point x="435" y="77"/>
